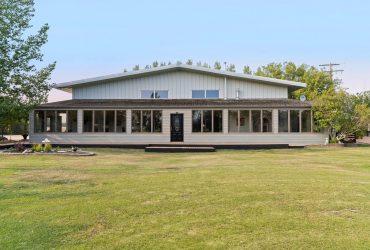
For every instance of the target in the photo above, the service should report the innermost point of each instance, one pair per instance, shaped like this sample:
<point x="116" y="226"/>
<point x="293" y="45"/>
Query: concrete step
<point x="179" y="149"/>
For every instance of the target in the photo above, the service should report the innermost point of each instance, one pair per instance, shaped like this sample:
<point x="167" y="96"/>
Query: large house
<point x="176" y="104"/>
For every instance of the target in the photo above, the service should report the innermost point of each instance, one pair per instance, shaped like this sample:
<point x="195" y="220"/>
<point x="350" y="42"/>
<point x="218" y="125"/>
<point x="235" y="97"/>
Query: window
<point x="233" y="121"/>
<point x="294" y="120"/>
<point x="207" y="121"/>
<point x="198" y="94"/>
<point x="212" y="94"/>
<point x="283" y="121"/>
<point x="244" y="121"/>
<point x="109" y="121"/>
<point x="72" y="121"/>
<point x="217" y="121"/>
<point x="196" y="120"/>
<point x="61" y="121"/>
<point x="201" y="94"/>
<point x="121" y="121"/>
<point x="136" y="121"/>
<point x="50" y="121"/>
<point x="88" y="114"/>
<point x="98" y="121"/>
<point x="39" y="121"/>
<point x="157" y="121"/>
<point x="154" y="94"/>
<point x="256" y="120"/>
<point x="266" y="120"/>
<point x="161" y="94"/>
<point x="306" y="120"/>
<point x="147" y="121"/>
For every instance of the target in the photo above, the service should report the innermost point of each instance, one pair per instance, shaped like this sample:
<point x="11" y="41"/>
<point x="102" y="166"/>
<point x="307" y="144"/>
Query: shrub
<point x="36" y="147"/>
<point x="19" y="147"/>
<point x="48" y="148"/>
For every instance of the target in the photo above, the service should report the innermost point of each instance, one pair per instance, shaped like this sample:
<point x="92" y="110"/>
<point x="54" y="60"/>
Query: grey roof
<point x="182" y="67"/>
<point x="176" y="103"/>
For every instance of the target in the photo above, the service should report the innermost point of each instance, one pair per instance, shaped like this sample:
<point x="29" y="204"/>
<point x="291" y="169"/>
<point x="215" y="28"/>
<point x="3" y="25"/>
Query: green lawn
<point x="274" y="199"/>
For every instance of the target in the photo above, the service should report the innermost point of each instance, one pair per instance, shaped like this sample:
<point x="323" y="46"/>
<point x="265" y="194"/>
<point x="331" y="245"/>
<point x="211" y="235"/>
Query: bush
<point x="333" y="141"/>
<point x="36" y="147"/>
<point x="19" y="147"/>
<point x="48" y="148"/>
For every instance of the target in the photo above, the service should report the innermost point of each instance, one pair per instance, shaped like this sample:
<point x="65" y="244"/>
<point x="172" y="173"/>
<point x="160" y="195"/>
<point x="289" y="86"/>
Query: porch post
<point x="80" y="121"/>
<point x="275" y="121"/>
<point x="128" y="121"/>
<point x="31" y="123"/>
<point x="225" y="121"/>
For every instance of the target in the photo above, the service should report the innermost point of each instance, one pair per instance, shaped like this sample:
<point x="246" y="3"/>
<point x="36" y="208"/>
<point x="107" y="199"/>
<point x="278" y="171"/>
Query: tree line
<point x="23" y="86"/>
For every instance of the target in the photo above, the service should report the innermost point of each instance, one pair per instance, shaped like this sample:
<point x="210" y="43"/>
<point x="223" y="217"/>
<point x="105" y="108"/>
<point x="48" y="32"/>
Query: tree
<point x="318" y="82"/>
<point x="231" y="67"/>
<point x="155" y="64"/>
<point x="206" y="65"/>
<point x="341" y="111"/>
<point x="136" y="67"/>
<point x="217" y="66"/>
<point x="189" y="62"/>
<point x="247" y="70"/>
<point x="22" y="85"/>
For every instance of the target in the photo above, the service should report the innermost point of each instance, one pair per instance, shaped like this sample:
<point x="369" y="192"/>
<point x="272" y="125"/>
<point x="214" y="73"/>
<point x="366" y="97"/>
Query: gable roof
<point x="66" y="86"/>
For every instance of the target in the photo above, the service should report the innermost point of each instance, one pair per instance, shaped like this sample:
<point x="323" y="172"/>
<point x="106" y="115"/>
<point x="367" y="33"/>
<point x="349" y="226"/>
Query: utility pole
<point x="331" y="70"/>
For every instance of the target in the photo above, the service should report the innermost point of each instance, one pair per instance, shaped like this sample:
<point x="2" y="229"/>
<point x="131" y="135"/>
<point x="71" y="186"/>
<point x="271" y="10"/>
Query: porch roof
<point x="176" y="103"/>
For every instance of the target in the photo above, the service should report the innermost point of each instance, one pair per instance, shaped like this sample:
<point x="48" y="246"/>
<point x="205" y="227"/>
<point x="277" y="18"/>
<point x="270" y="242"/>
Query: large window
<point x="244" y="125"/>
<point x="146" y="121"/>
<point x="157" y="121"/>
<point x="99" y="121"/>
<point x="233" y="121"/>
<point x="72" y="121"/>
<point x="154" y="94"/>
<point x="109" y="121"/>
<point x="61" y="121"/>
<point x="217" y="120"/>
<point x="283" y="120"/>
<point x="306" y="120"/>
<point x="136" y="121"/>
<point x="197" y="121"/>
<point x="250" y="120"/>
<point x="55" y="121"/>
<point x="202" y="94"/>
<point x="294" y="120"/>
<point x="206" y="121"/>
<point x="121" y="121"/>
<point x="256" y="120"/>
<point x="39" y="121"/>
<point x="50" y="121"/>
<point x="266" y="120"/>
<point x="88" y="117"/>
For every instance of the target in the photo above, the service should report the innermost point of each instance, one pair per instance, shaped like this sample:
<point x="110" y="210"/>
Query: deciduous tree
<point x="22" y="84"/>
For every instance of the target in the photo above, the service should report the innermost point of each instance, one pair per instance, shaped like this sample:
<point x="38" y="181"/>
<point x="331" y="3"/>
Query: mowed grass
<point x="128" y="199"/>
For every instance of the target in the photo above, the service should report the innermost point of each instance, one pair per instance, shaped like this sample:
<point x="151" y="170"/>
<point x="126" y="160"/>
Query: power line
<point x="331" y="70"/>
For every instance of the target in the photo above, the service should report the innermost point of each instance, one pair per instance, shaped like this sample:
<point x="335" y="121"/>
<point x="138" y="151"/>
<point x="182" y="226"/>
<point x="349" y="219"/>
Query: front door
<point x="177" y="127"/>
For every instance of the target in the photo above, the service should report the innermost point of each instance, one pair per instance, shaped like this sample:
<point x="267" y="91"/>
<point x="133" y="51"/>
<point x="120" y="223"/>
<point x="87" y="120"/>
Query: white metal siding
<point x="179" y="85"/>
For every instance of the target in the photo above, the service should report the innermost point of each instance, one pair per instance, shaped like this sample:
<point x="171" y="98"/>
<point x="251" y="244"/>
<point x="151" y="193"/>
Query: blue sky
<point x="90" y="38"/>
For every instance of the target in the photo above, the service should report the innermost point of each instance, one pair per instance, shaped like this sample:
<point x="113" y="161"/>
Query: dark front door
<point x="177" y="127"/>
